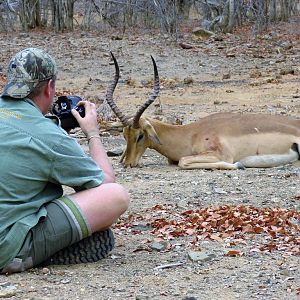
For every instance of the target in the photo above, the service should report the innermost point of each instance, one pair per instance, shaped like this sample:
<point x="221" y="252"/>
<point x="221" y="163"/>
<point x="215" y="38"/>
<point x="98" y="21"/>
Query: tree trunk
<point x="231" y="15"/>
<point x="87" y="15"/>
<point x="284" y="10"/>
<point x="45" y="13"/>
<point x="262" y="15"/>
<point x="30" y="14"/>
<point x="62" y="14"/>
<point x="273" y="11"/>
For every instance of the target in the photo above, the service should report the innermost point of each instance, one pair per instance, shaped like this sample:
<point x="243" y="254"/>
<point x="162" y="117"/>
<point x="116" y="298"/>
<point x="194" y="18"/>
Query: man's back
<point x="34" y="152"/>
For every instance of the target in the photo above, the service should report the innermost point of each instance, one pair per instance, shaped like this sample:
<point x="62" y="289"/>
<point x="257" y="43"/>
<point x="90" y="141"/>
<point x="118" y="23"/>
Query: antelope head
<point x="138" y="131"/>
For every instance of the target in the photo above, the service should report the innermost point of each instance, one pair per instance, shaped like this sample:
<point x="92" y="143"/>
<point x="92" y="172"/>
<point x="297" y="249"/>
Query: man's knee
<point x="117" y="193"/>
<point x="102" y="205"/>
<point x="121" y="195"/>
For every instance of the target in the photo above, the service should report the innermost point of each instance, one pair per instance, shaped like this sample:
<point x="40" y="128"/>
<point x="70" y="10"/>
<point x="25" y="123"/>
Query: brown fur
<point x="216" y="141"/>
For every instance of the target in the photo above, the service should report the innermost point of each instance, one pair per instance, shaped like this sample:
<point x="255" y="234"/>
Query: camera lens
<point x="62" y="108"/>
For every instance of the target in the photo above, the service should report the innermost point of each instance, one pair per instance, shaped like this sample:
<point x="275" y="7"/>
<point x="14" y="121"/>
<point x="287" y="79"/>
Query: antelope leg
<point x="122" y="156"/>
<point x="270" y="160"/>
<point x="207" y="162"/>
<point x="204" y="161"/>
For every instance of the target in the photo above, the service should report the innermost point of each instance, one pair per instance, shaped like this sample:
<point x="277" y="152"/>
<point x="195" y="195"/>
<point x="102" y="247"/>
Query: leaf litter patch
<point x="279" y="228"/>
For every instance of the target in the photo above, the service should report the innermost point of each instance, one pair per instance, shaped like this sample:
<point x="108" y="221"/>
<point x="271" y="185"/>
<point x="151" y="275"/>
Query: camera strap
<point x="54" y="119"/>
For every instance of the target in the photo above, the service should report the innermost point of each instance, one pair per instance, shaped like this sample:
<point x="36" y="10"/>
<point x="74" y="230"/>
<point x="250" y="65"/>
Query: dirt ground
<point x="237" y="73"/>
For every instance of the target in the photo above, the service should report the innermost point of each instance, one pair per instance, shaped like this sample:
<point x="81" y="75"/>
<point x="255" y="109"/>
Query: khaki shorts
<point x="64" y="225"/>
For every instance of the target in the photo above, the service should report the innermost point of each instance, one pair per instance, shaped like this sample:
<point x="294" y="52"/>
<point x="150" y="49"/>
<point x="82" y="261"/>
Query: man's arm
<point x="99" y="155"/>
<point x="89" y="126"/>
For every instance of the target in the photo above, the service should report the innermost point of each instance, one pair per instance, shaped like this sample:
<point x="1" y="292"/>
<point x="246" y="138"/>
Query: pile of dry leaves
<point x="280" y="227"/>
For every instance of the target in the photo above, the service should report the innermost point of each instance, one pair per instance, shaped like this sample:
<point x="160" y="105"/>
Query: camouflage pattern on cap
<point x="26" y="69"/>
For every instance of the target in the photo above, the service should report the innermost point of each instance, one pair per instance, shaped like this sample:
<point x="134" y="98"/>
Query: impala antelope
<point x="217" y="141"/>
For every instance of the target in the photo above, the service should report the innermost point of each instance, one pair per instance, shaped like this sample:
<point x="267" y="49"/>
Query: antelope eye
<point x="140" y="137"/>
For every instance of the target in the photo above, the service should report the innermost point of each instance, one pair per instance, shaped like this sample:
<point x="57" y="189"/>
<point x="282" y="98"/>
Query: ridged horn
<point x="110" y="92"/>
<point x="152" y="97"/>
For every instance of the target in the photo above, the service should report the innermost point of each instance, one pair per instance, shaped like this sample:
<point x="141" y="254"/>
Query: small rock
<point x="141" y="297"/>
<point x="114" y="152"/>
<point x="218" y="38"/>
<point x="159" y="246"/>
<point x="287" y="71"/>
<point x="202" y="33"/>
<point x="116" y="37"/>
<point x="230" y="54"/>
<point x="8" y="290"/>
<point x="24" y="35"/>
<point x="45" y="271"/>
<point x="186" y="46"/>
<point x="255" y="74"/>
<point x="142" y="227"/>
<point x="285" y="272"/>
<point x="105" y="134"/>
<point x="182" y="204"/>
<point x="188" y="80"/>
<point x="219" y="191"/>
<point x="65" y="281"/>
<point x="226" y="76"/>
<point x="286" y="45"/>
<point x="200" y="256"/>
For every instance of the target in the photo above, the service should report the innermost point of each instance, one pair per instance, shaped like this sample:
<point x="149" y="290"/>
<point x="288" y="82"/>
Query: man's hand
<point x="88" y="123"/>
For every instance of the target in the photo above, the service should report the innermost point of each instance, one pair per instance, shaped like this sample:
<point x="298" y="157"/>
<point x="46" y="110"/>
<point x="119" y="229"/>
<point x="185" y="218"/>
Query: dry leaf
<point x="234" y="253"/>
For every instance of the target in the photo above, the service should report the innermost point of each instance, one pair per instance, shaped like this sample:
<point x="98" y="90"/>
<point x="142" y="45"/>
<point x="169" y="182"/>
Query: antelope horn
<point x="151" y="98"/>
<point x="109" y="95"/>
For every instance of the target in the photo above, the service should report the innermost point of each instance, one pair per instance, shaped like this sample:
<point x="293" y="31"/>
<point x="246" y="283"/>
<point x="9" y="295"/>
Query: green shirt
<point x="37" y="157"/>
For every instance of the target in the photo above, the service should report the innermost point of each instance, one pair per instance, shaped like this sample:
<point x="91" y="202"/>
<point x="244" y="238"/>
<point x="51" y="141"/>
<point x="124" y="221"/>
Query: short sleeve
<point x="71" y="166"/>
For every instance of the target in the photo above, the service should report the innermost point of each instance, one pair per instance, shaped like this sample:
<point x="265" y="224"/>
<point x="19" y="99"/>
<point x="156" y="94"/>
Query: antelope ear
<point x="146" y="125"/>
<point x="153" y="136"/>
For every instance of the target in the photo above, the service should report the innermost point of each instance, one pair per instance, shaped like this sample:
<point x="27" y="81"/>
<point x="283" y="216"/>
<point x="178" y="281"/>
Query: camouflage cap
<point x="26" y="69"/>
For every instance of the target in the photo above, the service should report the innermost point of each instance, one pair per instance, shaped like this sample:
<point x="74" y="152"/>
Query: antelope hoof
<point x="239" y="166"/>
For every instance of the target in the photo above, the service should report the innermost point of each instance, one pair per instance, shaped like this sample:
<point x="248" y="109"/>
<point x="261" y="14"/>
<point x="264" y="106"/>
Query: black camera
<point x="62" y="109"/>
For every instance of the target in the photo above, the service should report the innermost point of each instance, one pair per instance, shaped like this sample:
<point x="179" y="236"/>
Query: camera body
<point x="62" y="109"/>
